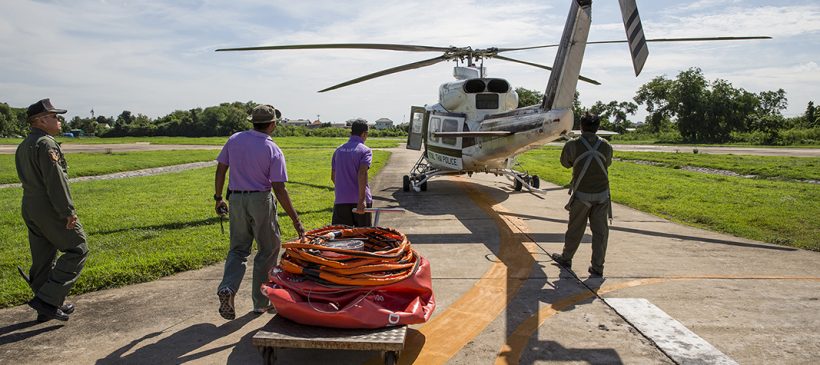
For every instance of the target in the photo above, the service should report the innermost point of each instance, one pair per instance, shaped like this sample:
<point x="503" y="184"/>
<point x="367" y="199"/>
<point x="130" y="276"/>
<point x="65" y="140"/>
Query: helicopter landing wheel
<point x="405" y="183"/>
<point x="536" y="182"/>
<point x="517" y="185"/>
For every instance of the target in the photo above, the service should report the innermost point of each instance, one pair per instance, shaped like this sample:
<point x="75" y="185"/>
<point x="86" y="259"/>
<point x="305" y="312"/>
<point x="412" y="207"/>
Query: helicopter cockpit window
<point x="435" y="126"/>
<point x="417" y="122"/>
<point x="449" y="125"/>
<point x="486" y="101"/>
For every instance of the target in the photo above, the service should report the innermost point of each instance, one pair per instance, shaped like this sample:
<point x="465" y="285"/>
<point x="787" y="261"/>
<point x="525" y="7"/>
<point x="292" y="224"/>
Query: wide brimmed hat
<point x="42" y="107"/>
<point x="265" y="114"/>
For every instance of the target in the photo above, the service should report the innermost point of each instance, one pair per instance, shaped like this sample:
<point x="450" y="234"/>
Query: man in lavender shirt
<point x="349" y="174"/>
<point x="256" y="165"/>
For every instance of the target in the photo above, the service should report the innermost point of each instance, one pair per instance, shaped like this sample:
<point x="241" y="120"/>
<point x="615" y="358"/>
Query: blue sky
<point x="153" y="57"/>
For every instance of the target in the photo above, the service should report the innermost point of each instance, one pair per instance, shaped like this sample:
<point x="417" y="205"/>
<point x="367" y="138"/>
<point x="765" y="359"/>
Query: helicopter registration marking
<point x="449" y="161"/>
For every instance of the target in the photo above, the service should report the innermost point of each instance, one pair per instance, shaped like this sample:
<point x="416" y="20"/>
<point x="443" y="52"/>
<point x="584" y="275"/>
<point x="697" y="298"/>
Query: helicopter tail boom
<point x="567" y="67"/>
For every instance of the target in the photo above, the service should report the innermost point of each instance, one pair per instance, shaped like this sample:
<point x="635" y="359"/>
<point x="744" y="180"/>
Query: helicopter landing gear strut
<point x="419" y="174"/>
<point x="416" y="183"/>
<point x="522" y="180"/>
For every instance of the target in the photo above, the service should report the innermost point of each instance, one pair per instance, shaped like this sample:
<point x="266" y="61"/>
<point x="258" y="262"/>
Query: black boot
<point x="561" y="261"/>
<point x="595" y="273"/>
<point x="47" y="311"/>
<point x="67" y="308"/>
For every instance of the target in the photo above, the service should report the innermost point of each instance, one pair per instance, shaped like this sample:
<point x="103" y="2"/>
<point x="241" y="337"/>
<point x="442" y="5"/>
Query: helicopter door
<point x="415" y="134"/>
<point x="444" y="152"/>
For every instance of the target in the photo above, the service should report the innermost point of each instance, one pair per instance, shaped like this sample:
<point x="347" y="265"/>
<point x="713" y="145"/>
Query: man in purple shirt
<point x="256" y="165"/>
<point x="349" y="174"/>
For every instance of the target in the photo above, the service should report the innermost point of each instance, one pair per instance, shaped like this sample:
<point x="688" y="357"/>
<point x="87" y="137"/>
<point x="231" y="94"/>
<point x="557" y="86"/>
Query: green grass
<point x="144" y="228"/>
<point x="778" y="212"/>
<point x="656" y="141"/>
<point x="798" y="168"/>
<point x="284" y="142"/>
<point x="91" y="164"/>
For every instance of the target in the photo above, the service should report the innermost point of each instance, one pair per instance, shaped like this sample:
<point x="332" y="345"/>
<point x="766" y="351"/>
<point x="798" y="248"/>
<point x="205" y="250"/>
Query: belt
<point x="247" y="191"/>
<point x="244" y="192"/>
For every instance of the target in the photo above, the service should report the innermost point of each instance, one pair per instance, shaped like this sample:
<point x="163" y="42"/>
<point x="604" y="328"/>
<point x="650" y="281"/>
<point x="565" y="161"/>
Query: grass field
<point x="627" y="139"/>
<point x="779" y="212"/>
<point x="797" y="168"/>
<point x="144" y="228"/>
<point x="91" y="164"/>
<point x="649" y="141"/>
<point x="284" y="142"/>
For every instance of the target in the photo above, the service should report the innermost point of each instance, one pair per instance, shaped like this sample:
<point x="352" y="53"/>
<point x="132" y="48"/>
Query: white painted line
<point x="677" y="341"/>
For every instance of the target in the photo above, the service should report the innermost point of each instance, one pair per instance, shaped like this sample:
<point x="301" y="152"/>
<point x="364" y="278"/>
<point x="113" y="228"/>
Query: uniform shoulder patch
<point x="54" y="155"/>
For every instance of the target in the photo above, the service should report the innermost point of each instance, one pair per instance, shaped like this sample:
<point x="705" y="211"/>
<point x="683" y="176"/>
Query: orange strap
<point x="386" y="257"/>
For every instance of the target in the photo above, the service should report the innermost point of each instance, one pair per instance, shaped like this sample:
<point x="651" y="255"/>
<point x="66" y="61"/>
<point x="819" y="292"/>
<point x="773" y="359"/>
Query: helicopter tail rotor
<point x="634" y="34"/>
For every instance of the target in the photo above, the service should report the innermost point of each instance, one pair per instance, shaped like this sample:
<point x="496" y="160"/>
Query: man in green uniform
<point x="589" y="157"/>
<point x="49" y="215"/>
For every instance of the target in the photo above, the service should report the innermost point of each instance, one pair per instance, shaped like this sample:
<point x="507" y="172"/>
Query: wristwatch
<point x="217" y="197"/>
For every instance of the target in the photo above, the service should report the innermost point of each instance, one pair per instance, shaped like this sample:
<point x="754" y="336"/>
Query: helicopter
<point x="476" y="125"/>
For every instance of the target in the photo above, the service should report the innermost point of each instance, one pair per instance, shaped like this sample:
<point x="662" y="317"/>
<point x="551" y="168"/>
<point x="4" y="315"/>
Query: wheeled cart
<point x="283" y="333"/>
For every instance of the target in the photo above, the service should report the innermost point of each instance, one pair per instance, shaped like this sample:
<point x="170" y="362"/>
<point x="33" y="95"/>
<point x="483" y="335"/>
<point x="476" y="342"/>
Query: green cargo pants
<point x="51" y="280"/>
<point x="596" y="213"/>
<point x="252" y="217"/>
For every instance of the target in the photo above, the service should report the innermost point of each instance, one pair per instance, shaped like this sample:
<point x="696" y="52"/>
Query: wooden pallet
<point x="283" y="333"/>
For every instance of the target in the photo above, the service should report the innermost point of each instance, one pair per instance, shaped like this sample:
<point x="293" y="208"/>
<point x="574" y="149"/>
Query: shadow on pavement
<point x="553" y="351"/>
<point x="7" y="336"/>
<point x="177" y="348"/>
<point x="662" y="234"/>
<point x="555" y="294"/>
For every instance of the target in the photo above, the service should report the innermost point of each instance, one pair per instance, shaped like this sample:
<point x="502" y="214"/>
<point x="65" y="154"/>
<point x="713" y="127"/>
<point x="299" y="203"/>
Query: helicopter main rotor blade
<point x="687" y="39"/>
<point x="382" y="46"/>
<point x="388" y="71"/>
<point x="582" y="78"/>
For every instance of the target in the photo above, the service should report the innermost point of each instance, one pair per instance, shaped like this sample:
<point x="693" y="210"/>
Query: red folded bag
<point x="306" y="301"/>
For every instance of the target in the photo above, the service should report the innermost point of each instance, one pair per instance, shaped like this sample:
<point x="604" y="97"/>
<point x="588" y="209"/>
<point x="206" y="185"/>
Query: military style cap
<point x="264" y="114"/>
<point x="41" y="107"/>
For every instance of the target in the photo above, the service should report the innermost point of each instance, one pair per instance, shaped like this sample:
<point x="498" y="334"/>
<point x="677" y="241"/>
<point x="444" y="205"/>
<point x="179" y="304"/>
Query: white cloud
<point x="154" y="57"/>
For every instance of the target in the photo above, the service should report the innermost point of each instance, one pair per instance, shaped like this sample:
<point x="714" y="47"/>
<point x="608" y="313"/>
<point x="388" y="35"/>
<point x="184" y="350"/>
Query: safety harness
<point x="341" y="255"/>
<point x="589" y="155"/>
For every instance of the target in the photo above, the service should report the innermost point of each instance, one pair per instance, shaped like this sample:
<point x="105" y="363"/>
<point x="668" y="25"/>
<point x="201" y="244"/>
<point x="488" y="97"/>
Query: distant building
<point x="383" y="123"/>
<point x="298" y="122"/>
<point x="315" y="124"/>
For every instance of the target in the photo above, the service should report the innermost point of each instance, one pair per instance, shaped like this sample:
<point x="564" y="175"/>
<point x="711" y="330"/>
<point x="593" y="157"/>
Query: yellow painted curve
<point x="448" y="332"/>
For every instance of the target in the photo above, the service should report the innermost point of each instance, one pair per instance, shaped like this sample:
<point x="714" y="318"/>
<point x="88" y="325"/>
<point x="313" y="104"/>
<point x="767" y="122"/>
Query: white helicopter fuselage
<point x="534" y="129"/>
<point x="477" y="129"/>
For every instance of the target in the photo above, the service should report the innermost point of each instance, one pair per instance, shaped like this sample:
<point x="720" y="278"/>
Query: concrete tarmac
<point x="500" y="298"/>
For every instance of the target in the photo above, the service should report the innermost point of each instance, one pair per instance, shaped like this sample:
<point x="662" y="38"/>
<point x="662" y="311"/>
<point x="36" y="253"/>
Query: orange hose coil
<point x="386" y="257"/>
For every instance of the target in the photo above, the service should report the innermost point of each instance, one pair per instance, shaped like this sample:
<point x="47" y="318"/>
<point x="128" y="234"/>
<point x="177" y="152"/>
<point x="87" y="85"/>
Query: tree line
<point x="220" y="120"/>
<point x="692" y="109"/>
<point x="688" y="108"/>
